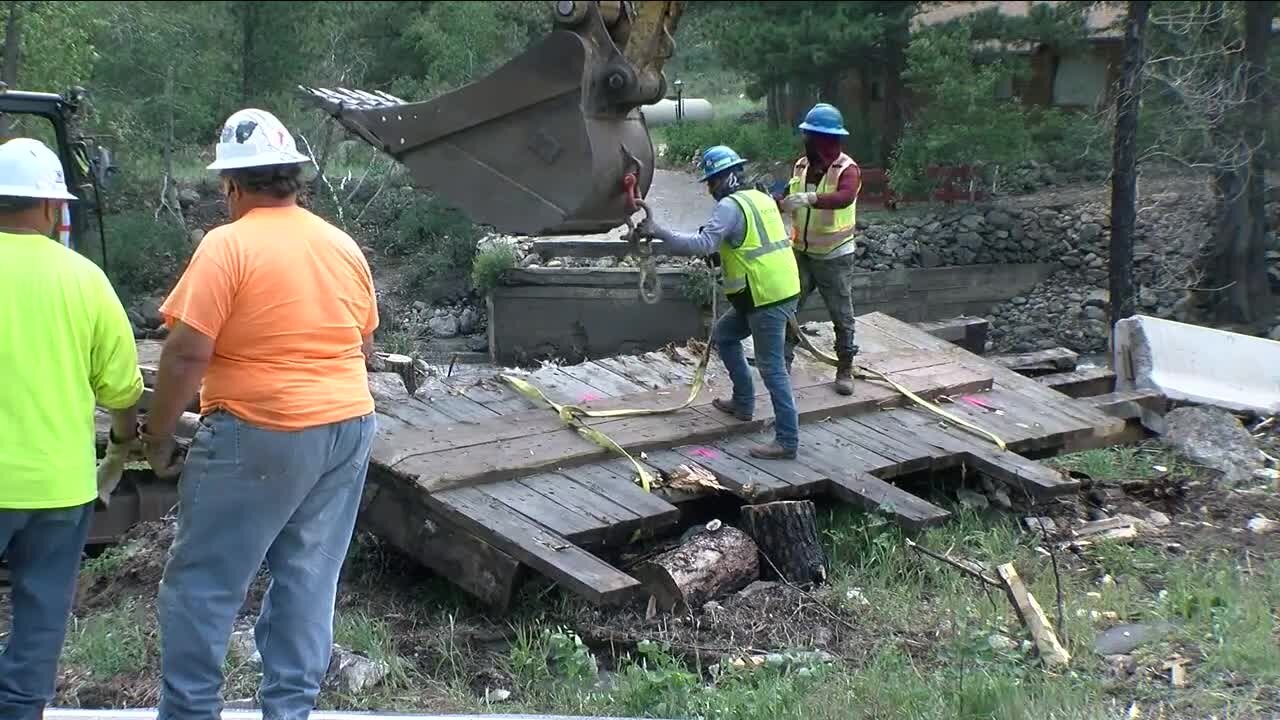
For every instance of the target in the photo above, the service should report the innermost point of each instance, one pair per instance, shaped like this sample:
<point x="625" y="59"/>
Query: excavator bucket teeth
<point x="528" y="150"/>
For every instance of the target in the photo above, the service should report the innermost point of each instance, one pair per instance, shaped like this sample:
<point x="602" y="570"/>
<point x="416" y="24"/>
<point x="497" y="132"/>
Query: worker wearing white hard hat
<point x="287" y="301"/>
<point x="74" y="349"/>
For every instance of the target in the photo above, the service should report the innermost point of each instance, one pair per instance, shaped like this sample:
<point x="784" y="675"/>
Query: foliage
<point x="489" y="265"/>
<point x="755" y="141"/>
<point x="57" y="51"/>
<point x="699" y="285"/>
<point x="550" y="656"/>
<point x="962" y="122"/>
<point x="144" y="252"/>
<point x="807" y="42"/>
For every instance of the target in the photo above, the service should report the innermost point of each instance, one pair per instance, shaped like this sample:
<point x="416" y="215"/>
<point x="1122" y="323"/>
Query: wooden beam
<point x="969" y="333"/>
<point x="875" y="495"/>
<point x="1082" y="383"/>
<point x="397" y="514"/>
<point x="1052" y="654"/>
<point x="547" y="552"/>
<point x="1038" y="363"/>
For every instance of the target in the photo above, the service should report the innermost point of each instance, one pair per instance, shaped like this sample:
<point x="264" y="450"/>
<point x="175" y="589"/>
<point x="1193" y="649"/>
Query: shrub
<point x="144" y="254"/>
<point x="755" y="141"/>
<point x="490" y="264"/>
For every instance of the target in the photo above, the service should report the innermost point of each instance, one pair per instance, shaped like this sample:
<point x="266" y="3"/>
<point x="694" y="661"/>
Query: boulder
<point x="1214" y="438"/>
<point x="443" y="326"/>
<point x="352" y="673"/>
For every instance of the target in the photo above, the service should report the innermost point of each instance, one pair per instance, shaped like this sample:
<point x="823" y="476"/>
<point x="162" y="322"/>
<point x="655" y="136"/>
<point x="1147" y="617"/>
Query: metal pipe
<point x="668" y="111"/>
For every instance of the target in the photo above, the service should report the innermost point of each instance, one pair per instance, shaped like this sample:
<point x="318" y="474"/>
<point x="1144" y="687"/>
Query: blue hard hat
<point x="717" y="159"/>
<point x="824" y="119"/>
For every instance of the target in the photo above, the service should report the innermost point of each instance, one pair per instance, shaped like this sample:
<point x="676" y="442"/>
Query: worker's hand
<point x="111" y="466"/>
<point x="795" y="201"/>
<point x="160" y="454"/>
<point x="648" y="228"/>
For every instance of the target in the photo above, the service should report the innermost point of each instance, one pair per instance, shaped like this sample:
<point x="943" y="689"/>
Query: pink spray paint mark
<point x="705" y="452"/>
<point x="590" y="397"/>
<point x="976" y="402"/>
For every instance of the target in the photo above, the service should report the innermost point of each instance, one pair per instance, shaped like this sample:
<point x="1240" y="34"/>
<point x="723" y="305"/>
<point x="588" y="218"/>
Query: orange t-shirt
<point x="287" y="299"/>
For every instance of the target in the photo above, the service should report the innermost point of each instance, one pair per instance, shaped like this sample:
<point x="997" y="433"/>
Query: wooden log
<point x="787" y="534"/>
<point x="403" y="366"/>
<point x="1053" y="360"/>
<point x="711" y="564"/>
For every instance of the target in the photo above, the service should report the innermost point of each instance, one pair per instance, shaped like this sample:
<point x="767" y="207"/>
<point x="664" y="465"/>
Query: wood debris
<point x="1177" y="667"/>
<point x="1051" y="651"/>
<point x="692" y="479"/>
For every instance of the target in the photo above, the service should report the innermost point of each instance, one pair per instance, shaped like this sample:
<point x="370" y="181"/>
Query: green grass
<point x="109" y="643"/>
<point x="371" y="637"/>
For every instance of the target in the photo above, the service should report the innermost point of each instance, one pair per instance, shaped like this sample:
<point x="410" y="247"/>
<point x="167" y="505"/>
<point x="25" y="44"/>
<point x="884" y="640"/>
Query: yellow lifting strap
<point x="931" y="407"/>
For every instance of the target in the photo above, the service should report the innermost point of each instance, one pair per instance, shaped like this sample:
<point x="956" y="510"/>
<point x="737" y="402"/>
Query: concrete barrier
<point x="1198" y="364"/>
<point x="572" y="314"/>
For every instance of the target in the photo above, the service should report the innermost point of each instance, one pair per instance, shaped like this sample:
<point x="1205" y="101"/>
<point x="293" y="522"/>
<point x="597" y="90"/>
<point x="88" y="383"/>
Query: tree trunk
<point x="894" y="91"/>
<point x="248" y="49"/>
<point x="1235" y="286"/>
<point x="787" y="534"/>
<point x="12" y="60"/>
<point x="1124" y="164"/>
<point x="711" y="564"/>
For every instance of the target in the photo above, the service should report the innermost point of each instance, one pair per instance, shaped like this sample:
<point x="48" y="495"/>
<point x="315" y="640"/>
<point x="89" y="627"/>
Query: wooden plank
<point x="460" y="408"/>
<point x="612" y="481"/>
<point x="541" y="549"/>
<point x="418" y="442"/>
<point x="1052" y="360"/>
<point x="875" y="495"/>
<point x="415" y="413"/>
<point x="562" y="388"/>
<point x="546" y="511"/>
<point x="635" y="371"/>
<point x="396" y="514"/>
<point x="1072" y="417"/>
<point x="803" y="478"/>
<point x="604" y="380"/>
<point x="1039" y="481"/>
<point x="1081" y="383"/>
<point x="907" y="457"/>
<point x="1052" y="654"/>
<point x="888" y="424"/>
<point x="494" y="394"/>
<point x="504" y="458"/>
<point x="744" y="480"/>
<point x="816" y="438"/>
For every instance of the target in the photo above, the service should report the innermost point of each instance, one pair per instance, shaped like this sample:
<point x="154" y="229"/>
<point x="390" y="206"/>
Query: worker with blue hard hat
<point x="762" y="283"/>
<point x="822" y="200"/>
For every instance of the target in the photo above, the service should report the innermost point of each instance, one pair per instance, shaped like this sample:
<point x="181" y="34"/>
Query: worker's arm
<point x="183" y="362"/>
<point x="114" y="374"/>
<point x="845" y="193"/>
<point x="727" y="225"/>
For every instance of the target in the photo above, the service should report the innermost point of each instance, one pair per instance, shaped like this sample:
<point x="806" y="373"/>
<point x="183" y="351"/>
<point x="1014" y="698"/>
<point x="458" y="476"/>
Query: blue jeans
<point x="247" y="495"/>
<point x="43" y="549"/>
<point x="767" y="328"/>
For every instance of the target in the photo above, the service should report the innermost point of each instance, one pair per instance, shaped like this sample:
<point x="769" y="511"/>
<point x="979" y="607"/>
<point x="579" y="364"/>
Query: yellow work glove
<point x="111" y="466"/>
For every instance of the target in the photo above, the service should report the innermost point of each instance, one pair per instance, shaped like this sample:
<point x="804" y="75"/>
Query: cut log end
<point x="709" y="565"/>
<point x="787" y="534"/>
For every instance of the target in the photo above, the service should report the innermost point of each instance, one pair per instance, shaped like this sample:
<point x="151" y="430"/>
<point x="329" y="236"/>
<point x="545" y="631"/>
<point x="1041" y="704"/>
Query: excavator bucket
<point x="552" y="143"/>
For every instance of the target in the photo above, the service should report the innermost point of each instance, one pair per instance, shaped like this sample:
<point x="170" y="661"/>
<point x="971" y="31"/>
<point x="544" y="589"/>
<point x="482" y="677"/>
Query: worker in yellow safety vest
<point x="822" y="200"/>
<point x="760" y="279"/>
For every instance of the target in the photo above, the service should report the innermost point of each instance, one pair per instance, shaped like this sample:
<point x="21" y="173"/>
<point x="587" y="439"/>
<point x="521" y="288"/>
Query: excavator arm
<point x="551" y="143"/>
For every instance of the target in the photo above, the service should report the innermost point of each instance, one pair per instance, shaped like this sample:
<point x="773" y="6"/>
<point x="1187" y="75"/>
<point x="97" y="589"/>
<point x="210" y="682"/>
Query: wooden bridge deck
<point x="479" y="483"/>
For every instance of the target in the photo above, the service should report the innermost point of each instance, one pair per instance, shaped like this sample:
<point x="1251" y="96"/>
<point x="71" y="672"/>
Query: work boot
<point x="844" y="375"/>
<point x="772" y="451"/>
<point x="844" y="380"/>
<point x="727" y="407"/>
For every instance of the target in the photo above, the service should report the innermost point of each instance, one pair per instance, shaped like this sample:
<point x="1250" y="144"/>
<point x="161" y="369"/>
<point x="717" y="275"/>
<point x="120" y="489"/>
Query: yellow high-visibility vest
<point x="818" y="232"/>
<point x="764" y="263"/>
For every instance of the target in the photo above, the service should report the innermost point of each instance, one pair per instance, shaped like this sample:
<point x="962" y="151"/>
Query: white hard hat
<point x="29" y="169"/>
<point x="255" y="138"/>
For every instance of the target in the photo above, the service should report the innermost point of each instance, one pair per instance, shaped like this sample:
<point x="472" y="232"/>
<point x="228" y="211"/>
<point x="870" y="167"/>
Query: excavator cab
<point x="553" y="142"/>
<point x="54" y="120"/>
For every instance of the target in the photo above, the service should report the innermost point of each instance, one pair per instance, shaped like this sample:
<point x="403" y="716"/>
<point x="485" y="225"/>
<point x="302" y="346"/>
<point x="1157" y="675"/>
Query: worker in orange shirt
<point x="275" y="316"/>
